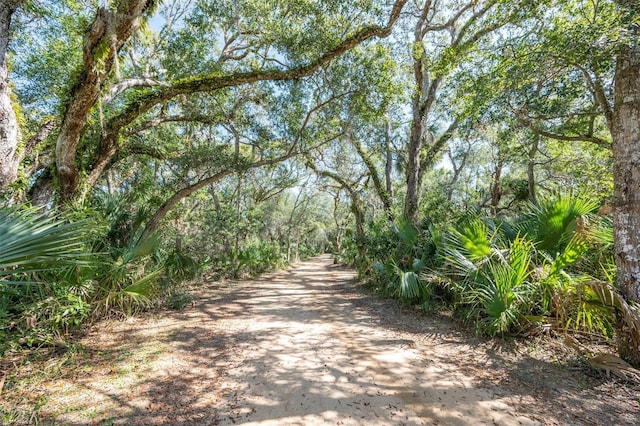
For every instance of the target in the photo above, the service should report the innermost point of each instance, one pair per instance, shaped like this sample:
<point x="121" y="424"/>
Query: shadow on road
<point x="305" y="347"/>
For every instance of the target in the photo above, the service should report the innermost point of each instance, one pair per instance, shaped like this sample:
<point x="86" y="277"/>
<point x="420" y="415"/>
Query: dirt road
<point x="315" y="358"/>
<point x="303" y="347"/>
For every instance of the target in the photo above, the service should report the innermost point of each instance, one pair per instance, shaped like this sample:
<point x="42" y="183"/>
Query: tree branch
<point x="130" y="83"/>
<point x="578" y="138"/>
<point x="153" y="224"/>
<point x="436" y="147"/>
<point x="599" y="94"/>
<point x="216" y="81"/>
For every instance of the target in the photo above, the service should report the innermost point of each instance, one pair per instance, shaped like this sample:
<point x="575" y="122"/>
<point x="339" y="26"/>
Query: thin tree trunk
<point x="413" y="159"/>
<point x="388" y="165"/>
<point x="238" y="210"/>
<point x="377" y="183"/>
<point x="154" y="223"/>
<point x="457" y="171"/>
<point x="496" y="192"/>
<point x="419" y="112"/>
<point x="9" y="128"/>
<point x="336" y="202"/>
<point x="531" y="177"/>
<point x="356" y="208"/>
<point x="626" y="176"/>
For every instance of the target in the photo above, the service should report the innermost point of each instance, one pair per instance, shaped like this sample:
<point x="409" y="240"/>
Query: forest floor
<point x="308" y="346"/>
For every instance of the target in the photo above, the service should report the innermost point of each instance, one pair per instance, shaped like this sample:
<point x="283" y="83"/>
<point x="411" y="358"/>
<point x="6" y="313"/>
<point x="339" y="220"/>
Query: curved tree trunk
<point x="356" y="206"/>
<point x="155" y="221"/>
<point x="381" y="191"/>
<point x="9" y="128"/>
<point x="103" y="40"/>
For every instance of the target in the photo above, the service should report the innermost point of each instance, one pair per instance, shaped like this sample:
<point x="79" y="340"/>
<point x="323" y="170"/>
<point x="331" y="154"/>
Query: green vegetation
<point x="461" y="156"/>
<point x="536" y="270"/>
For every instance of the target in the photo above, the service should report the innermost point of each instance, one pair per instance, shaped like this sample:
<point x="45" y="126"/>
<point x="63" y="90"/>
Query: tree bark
<point x="9" y="127"/>
<point x="457" y="171"/>
<point x="420" y="103"/>
<point x="626" y="175"/>
<point x="382" y="192"/>
<point x="531" y="163"/>
<point x="102" y="42"/>
<point x="496" y="186"/>
<point x="388" y="164"/>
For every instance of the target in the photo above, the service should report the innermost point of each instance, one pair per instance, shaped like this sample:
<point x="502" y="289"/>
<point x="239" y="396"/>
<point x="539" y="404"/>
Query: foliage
<point x="512" y="279"/>
<point x="503" y="275"/>
<point x="553" y="221"/>
<point x="254" y="259"/>
<point x="34" y="245"/>
<point x="58" y="274"/>
<point x="180" y="267"/>
<point x="495" y="289"/>
<point x="33" y="242"/>
<point x="505" y="113"/>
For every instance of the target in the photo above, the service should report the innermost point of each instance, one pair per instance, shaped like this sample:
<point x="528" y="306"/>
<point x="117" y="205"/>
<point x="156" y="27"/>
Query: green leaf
<point x="31" y="241"/>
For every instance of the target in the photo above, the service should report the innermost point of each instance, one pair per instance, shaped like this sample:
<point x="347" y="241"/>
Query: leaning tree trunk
<point x="110" y="29"/>
<point x="9" y="128"/>
<point x="626" y="175"/>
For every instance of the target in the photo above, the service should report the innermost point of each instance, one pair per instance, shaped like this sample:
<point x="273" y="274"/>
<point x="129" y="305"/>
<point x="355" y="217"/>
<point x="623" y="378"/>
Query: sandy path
<point x="315" y="359"/>
<point x="304" y="347"/>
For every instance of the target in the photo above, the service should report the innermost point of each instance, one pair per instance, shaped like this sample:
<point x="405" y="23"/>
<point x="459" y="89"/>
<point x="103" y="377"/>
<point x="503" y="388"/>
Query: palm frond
<point x="31" y="241"/>
<point x="552" y="221"/>
<point x="629" y="313"/>
<point x="406" y="232"/>
<point x="501" y="291"/>
<point x="410" y="286"/>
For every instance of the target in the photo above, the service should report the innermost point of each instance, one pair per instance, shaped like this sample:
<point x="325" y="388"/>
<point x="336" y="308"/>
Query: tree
<point x="114" y="87"/>
<point x="558" y="82"/>
<point x="442" y="41"/>
<point x="103" y="40"/>
<point x="626" y="172"/>
<point x="210" y="82"/>
<point x="9" y="127"/>
<point x="351" y="187"/>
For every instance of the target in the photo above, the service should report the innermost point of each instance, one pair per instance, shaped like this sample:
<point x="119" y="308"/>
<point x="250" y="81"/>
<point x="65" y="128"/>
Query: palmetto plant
<point x="552" y="222"/>
<point x="397" y="273"/>
<point x="492" y="281"/>
<point x="34" y="242"/>
<point x="572" y="243"/>
<point x="407" y="285"/>
<point x="124" y="283"/>
<point x="37" y="251"/>
<point x="178" y="266"/>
